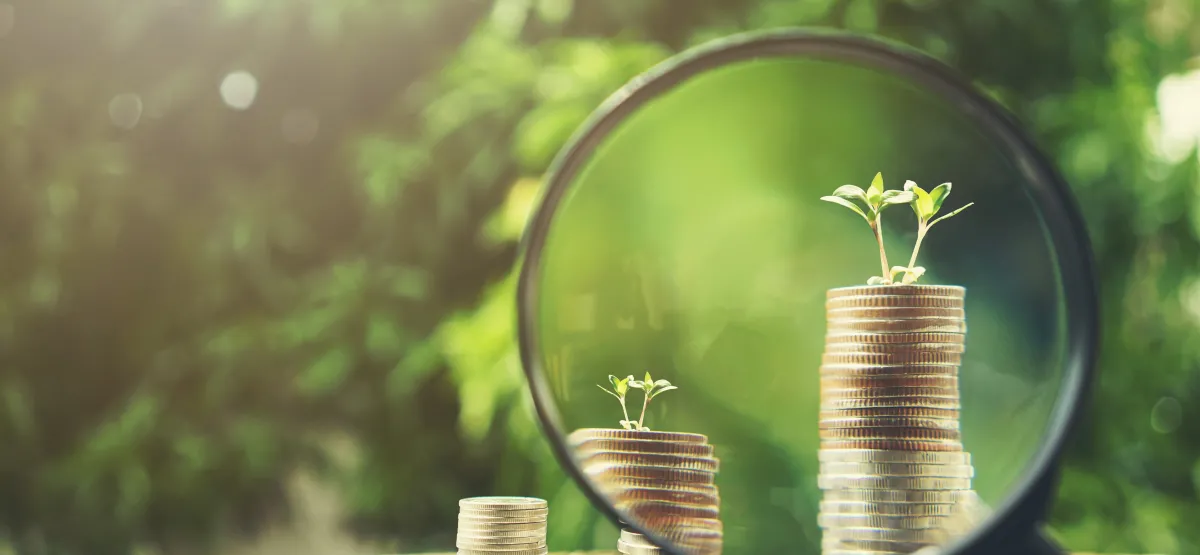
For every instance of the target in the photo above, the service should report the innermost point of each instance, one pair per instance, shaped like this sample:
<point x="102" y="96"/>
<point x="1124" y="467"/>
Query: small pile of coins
<point x="892" y="464"/>
<point x="633" y="543"/>
<point x="664" y="481"/>
<point x="502" y="526"/>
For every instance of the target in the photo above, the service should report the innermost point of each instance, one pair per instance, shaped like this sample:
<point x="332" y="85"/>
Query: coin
<point x="651" y="510"/>
<point x="620" y="483"/>
<point x="902" y="338"/>
<point x="501" y="531"/>
<point x="888" y="422"/>
<point x="920" y="291"/>
<point x="891" y="444"/>
<point x="636" y="549"/>
<point x="485" y="551"/>
<point x="892" y="496"/>
<point x="949" y="402"/>
<point x="857" y="347"/>
<point x="579" y="436"/>
<point x="833" y="543"/>
<point x="892" y="535"/>
<point x="644" y="446"/>
<point x="894" y="312"/>
<point x="899" y="301"/>
<point x="501" y="542"/>
<point x="885" y="456"/>
<point x="665" y="494"/>
<point x="634" y="538"/>
<point x="506" y="513"/>
<point x="899" y="469"/>
<point x="890" y="412"/>
<point x="601" y="473"/>
<point x="844" y="382"/>
<point x="913" y="434"/>
<point x="876" y="393"/>
<point x="892" y="357"/>
<point x="841" y="521"/>
<point x="886" y="509"/>
<point x="930" y="325"/>
<point x="889" y="370"/>
<point x="502" y="503"/>
<point x="708" y="464"/>
<point x="851" y="481"/>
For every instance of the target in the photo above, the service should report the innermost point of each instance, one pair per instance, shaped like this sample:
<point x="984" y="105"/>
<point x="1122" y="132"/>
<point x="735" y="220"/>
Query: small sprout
<point x="650" y="387"/>
<point x="874" y="200"/>
<point x="620" y="388"/>
<point x="925" y="205"/>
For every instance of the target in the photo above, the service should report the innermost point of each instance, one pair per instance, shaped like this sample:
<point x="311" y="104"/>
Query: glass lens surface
<point x="691" y="243"/>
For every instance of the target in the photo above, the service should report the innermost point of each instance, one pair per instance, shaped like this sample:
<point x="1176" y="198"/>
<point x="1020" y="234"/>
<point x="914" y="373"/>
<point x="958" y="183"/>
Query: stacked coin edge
<point x="502" y="526"/>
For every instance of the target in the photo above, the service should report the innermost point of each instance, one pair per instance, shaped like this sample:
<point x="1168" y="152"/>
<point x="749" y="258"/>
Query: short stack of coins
<point x="502" y="526"/>
<point x="663" y="481"/>
<point x="892" y="464"/>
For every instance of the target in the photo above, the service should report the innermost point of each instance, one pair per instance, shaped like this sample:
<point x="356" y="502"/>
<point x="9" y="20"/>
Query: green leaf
<point x="875" y="191"/>
<point x="947" y="216"/>
<point x="649" y="380"/>
<point x="636" y="384"/>
<point x="913" y="274"/>
<point x="876" y="280"/>
<point x="939" y="194"/>
<point x="896" y="197"/>
<point x="327" y="373"/>
<point x="628" y="424"/>
<point x="663" y="389"/>
<point x="898" y="270"/>
<point x="602" y="388"/>
<point x="661" y="383"/>
<point x="851" y="192"/>
<point x="924" y="203"/>
<point x="908" y="185"/>
<point x="847" y="204"/>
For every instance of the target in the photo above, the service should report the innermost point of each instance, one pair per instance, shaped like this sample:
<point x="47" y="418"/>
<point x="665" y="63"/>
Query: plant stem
<point x="921" y="229"/>
<point x="642" y="418"/>
<point x="624" y="410"/>
<point x="878" y="229"/>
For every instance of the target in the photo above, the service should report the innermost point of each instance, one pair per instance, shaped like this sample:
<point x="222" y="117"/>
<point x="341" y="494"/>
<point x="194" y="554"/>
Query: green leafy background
<point x="289" y="328"/>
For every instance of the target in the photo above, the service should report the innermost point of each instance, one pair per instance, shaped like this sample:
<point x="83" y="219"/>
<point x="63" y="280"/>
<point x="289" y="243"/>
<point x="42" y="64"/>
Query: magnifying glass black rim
<point x="1060" y="215"/>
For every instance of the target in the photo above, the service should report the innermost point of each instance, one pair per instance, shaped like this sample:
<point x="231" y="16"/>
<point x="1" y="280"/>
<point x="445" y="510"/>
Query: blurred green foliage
<point x="197" y="300"/>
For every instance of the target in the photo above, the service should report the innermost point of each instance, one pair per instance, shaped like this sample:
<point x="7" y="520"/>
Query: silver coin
<point x="859" y="482"/>
<point x="940" y="497"/>
<point x="604" y="472"/>
<point x="585" y="434"/>
<point x="903" y="380"/>
<point x="926" y="325"/>
<point x="840" y="521"/>
<point x="636" y="549"/>
<point x="894" y="312"/>
<point x="895" y="356"/>
<point x="886" y="509"/>
<point x="894" y="301"/>
<point x="501" y="531"/>
<point x="835" y="544"/>
<point x="909" y="434"/>
<point x="516" y="551"/>
<point x="595" y="460"/>
<point x="892" y="535"/>
<point x="644" y="446"/>
<point x="899" y="469"/>
<point x="890" y="412"/>
<point x="854" y="347"/>
<point x="507" y="503"/>
<point x="907" y="290"/>
<point x="881" y="456"/>
<point x="499" y="543"/>
<point x="830" y="394"/>
<point x="938" y="402"/>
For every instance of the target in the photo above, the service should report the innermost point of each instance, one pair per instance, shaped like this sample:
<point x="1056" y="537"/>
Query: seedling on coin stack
<point x="662" y="481"/>
<point x="893" y="469"/>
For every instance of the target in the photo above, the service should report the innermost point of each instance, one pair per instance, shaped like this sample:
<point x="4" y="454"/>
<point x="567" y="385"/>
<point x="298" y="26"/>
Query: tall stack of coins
<point x="892" y="464"/>
<point x="664" y="481"/>
<point x="502" y="526"/>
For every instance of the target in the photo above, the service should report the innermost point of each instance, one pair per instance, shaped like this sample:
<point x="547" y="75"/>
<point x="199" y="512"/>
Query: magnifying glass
<point x="726" y="362"/>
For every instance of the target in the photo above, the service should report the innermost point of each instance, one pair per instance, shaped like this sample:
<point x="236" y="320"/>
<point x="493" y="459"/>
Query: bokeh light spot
<point x="125" y="110"/>
<point x="1166" y="415"/>
<point x="238" y="90"/>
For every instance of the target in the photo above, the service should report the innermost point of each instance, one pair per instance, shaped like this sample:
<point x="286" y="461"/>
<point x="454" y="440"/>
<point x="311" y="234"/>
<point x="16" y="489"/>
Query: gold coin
<point x="886" y="509"/>
<point x="844" y="382"/>
<point x="879" y="521"/>
<point x="585" y="434"/>
<point x="891" y="444"/>
<point x="896" y="313"/>
<point x="601" y="473"/>
<point x="899" y="469"/>
<point x="891" y="482"/>
<point x="890" y="412"/>
<point x="887" y="422"/>
<point x="644" y="446"/>
<point x="831" y="393"/>
<point x="902" y="338"/>
<point x="928" y="325"/>
<point x="615" y="485"/>
<point x="651" y="510"/>
<point x="889" y="370"/>
<point x="708" y="464"/>
<point x="912" y="434"/>
<point x="892" y="357"/>
<point x="665" y="494"/>
<point x="898" y="301"/>
<point x="947" y="497"/>
<point x="884" y="456"/>
<point x="854" y="347"/>
<point x="892" y="535"/>
<point x="908" y="401"/>
<point x="897" y="290"/>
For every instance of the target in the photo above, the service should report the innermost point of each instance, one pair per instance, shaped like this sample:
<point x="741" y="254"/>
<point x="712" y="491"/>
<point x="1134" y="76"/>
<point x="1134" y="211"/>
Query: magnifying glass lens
<point x="709" y="338"/>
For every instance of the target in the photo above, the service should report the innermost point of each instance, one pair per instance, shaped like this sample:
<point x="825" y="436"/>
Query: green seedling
<point x="874" y="201"/>
<point x="925" y="205"/>
<point x="650" y="388"/>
